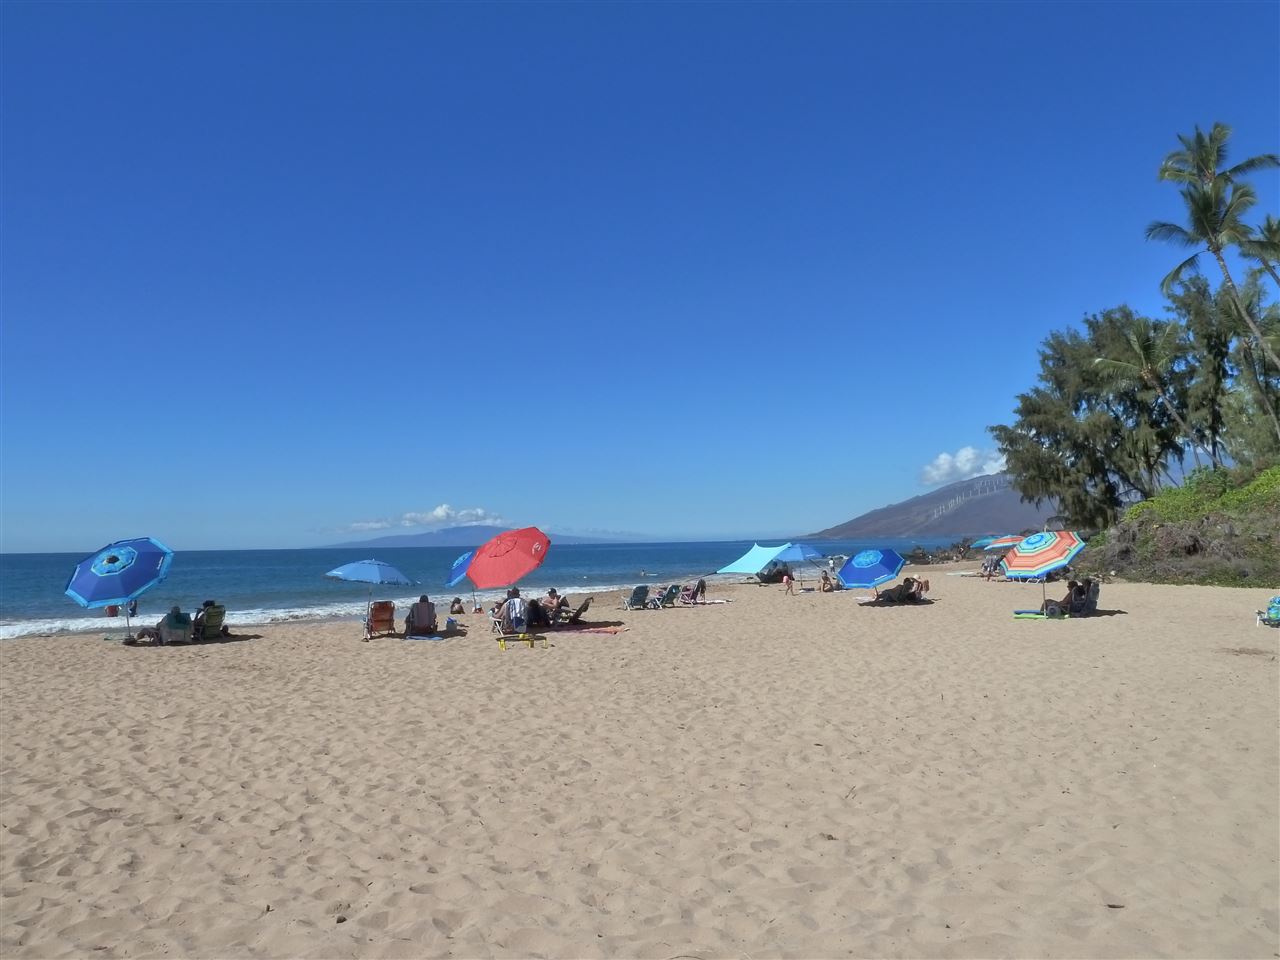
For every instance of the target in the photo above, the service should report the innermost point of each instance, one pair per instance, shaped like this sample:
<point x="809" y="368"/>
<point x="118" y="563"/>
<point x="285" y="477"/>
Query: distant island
<point x="471" y="536"/>
<point x="967" y="508"/>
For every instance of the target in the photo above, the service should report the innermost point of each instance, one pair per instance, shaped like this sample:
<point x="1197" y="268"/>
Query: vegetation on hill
<point x="1119" y="405"/>
<point x="1220" y="527"/>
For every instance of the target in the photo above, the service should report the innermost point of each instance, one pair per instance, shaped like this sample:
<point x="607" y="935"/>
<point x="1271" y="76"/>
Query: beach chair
<point x="208" y="623"/>
<point x="666" y="599"/>
<point x="421" y="621"/>
<point x="1270" y="617"/>
<point x="576" y="615"/>
<point x="381" y="620"/>
<point x="1086" y="604"/>
<point x="512" y="624"/>
<point x="176" y="628"/>
<point x="638" y="599"/>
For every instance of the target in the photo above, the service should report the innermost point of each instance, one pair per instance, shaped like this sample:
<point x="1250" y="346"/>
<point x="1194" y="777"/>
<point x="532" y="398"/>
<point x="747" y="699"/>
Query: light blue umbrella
<point x="370" y="572"/>
<point x="870" y="568"/>
<point x="980" y="543"/>
<point x="795" y="552"/>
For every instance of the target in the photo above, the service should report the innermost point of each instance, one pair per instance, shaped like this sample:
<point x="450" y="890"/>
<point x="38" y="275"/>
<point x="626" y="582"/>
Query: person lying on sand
<point x="910" y="590"/>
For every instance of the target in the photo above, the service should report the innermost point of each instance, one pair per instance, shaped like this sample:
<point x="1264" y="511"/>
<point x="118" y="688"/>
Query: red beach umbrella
<point x="508" y="557"/>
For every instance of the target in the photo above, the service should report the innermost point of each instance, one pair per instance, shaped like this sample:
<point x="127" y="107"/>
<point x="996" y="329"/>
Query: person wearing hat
<point x="553" y="603"/>
<point x="455" y="606"/>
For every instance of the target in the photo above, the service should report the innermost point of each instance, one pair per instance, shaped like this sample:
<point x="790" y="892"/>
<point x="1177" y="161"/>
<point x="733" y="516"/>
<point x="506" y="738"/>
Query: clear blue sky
<point x="272" y="270"/>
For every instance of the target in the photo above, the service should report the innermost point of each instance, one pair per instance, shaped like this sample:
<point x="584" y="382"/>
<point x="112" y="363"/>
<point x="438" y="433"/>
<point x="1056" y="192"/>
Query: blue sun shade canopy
<point x="755" y="559"/>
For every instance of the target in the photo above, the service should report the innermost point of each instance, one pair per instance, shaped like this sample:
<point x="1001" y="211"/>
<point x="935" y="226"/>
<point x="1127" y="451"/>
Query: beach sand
<point x="777" y="776"/>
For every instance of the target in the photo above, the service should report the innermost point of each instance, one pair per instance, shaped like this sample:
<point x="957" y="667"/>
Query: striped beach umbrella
<point x="1040" y="554"/>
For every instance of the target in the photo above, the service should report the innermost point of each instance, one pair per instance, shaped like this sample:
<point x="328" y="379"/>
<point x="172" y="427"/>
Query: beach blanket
<point x="588" y="628"/>
<point x="434" y="636"/>
<point x="878" y="602"/>
<point x="1038" y="615"/>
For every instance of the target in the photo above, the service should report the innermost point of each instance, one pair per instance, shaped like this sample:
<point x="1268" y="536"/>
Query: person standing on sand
<point x="788" y="582"/>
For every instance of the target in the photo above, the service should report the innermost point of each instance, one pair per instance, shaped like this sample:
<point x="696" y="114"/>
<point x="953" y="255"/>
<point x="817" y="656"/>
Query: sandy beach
<point x="776" y="776"/>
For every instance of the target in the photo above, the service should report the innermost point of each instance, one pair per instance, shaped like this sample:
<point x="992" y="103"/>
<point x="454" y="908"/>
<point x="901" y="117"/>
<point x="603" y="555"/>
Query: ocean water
<point x="266" y="586"/>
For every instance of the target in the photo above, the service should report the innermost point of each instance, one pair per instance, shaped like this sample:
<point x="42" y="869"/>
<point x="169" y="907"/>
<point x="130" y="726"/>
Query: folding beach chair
<point x="638" y="599"/>
<point x="512" y="624"/>
<point x="176" y="628"/>
<point x="1270" y="617"/>
<point x="576" y="615"/>
<point x="1086" y="604"/>
<point x="666" y="599"/>
<point x="421" y="621"/>
<point x="381" y="620"/>
<point x="208" y="623"/>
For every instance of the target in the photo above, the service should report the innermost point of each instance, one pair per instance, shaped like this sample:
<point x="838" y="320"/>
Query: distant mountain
<point x="453" y="537"/>
<point x="967" y="508"/>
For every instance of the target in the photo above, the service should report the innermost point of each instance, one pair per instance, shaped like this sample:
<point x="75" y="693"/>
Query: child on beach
<point x="788" y="582"/>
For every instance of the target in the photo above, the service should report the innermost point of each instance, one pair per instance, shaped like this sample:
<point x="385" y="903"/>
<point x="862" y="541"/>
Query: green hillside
<point x="1221" y="527"/>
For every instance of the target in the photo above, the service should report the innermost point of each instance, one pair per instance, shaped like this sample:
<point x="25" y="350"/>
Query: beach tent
<point x="755" y="559"/>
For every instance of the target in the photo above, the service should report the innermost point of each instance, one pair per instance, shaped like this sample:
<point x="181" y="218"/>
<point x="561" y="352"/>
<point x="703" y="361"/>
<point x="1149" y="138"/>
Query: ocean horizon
<point x="280" y="585"/>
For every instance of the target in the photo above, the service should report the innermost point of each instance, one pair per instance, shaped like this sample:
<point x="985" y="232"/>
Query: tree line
<point x="1121" y="404"/>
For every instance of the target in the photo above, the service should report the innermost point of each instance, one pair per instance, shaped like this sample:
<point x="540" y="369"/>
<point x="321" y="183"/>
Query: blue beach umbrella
<point x="795" y="552"/>
<point x="870" y="568"/>
<point x="119" y="573"/>
<point x="459" y="569"/>
<point x="980" y="543"/>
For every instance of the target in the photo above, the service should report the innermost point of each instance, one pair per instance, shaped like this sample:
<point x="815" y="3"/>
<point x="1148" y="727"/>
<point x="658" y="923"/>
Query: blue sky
<point x="275" y="272"/>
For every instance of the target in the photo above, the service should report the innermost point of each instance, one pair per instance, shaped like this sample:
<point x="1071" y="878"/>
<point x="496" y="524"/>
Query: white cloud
<point x="441" y="516"/>
<point x="964" y="463"/>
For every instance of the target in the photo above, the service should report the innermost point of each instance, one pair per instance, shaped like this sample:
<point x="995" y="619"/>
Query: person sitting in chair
<point x="421" y="618"/>
<point x="514" y="613"/>
<point x="197" y="625"/>
<point x="553" y="603"/>
<point x="1059" y="607"/>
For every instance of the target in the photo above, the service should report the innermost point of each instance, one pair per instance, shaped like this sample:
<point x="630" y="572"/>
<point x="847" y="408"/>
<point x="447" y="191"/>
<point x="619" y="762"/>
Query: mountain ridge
<point x="986" y="504"/>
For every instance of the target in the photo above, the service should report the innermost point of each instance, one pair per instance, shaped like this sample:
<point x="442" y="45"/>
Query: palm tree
<point x="1201" y="154"/>
<point x="1216" y="204"/>
<point x="1151" y="349"/>
<point x="1265" y="247"/>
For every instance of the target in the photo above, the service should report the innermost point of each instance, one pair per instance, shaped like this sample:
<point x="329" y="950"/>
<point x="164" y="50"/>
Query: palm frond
<point x="1263" y="161"/>
<point x="1171" y="233"/>
<point x="1116" y="369"/>
<point x="1189" y="265"/>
